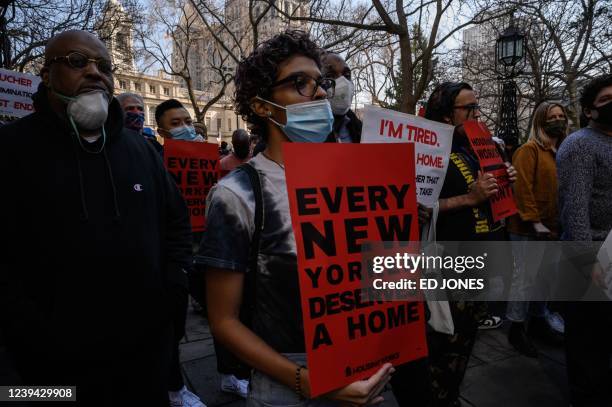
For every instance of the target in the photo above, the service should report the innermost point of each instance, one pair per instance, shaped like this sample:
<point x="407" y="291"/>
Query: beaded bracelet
<point x="298" y="384"/>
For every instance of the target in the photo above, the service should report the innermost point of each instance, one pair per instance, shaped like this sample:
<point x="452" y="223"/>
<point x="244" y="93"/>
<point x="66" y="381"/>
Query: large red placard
<point x="350" y="194"/>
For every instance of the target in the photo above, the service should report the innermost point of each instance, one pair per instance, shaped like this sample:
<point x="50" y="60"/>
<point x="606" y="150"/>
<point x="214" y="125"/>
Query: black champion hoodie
<point x="92" y="247"/>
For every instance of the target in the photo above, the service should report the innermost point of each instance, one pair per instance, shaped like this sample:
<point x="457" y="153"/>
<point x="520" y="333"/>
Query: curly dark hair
<point x="442" y="100"/>
<point x="591" y="89"/>
<point x="259" y="70"/>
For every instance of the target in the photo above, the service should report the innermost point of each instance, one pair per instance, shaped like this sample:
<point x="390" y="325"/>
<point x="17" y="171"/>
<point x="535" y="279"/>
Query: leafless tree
<point x="235" y="28"/>
<point x="480" y="69"/>
<point x="567" y="43"/>
<point x="437" y="20"/>
<point x="173" y="38"/>
<point x="579" y="31"/>
<point x="29" y="24"/>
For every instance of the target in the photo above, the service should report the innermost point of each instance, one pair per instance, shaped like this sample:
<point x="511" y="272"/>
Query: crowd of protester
<point x="97" y="250"/>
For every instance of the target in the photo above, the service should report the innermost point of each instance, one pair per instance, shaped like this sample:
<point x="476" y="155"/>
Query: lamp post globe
<point x="510" y="47"/>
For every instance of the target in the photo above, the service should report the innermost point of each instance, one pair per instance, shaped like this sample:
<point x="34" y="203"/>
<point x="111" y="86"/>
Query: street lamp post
<point x="509" y="58"/>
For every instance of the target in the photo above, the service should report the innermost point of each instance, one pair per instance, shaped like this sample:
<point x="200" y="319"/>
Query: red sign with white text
<point x="195" y="169"/>
<point x="502" y="204"/>
<point x="355" y="193"/>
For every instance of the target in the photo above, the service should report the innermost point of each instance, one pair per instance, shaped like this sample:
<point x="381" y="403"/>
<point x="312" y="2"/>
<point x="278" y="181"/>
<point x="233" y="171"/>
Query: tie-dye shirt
<point x="225" y="245"/>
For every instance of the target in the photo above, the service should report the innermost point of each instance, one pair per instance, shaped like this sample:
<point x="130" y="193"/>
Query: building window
<point x="152" y="89"/>
<point x="166" y="91"/>
<point x="137" y="87"/>
<point x="151" y="121"/>
<point x="229" y="124"/>
<point x="208" y="124"/>
<point x="122" y="43"/>
<point x="122" y="84"/>
<point x="218" y="124"/>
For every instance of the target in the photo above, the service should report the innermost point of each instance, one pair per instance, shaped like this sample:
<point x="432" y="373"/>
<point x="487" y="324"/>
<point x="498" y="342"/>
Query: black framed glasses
<point x="78" y="60"/>
<point x="307" y="86"/>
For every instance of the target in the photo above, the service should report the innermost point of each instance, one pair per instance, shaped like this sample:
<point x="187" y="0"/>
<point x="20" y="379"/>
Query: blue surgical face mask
<point x="186" y="133"/>
<point x="134" y="121"/>
<point x="308" y="122"/>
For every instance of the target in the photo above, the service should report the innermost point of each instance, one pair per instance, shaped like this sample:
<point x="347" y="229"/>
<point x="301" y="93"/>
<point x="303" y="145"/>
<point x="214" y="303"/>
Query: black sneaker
<point x="519" y="339"/>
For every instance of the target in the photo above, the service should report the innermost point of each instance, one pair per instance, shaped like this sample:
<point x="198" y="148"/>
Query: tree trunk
<point x="199" y="115"/>
<point x="408" y="104"/>
<point x="574" y="106"/>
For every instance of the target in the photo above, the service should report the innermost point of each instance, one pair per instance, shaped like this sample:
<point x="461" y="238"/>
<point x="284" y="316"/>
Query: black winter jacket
<point x="354" y="128"/>
<point x="92" y="248"/>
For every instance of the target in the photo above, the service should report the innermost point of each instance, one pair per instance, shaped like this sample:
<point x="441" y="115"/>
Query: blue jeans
<point x="523" y="279"/>
<point x="264" y="391"/>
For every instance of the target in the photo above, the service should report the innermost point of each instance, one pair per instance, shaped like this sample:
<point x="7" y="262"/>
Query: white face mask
<point x="88" y="110"/>
<point x="343" y="95"/>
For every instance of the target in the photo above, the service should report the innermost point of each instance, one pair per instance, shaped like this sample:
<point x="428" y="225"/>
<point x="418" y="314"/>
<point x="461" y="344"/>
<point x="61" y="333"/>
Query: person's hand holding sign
<point x="482" y="189"/>
<point x="424" y="214"/>
<point x="511" y="172"/>
<point x="364" y="392"/>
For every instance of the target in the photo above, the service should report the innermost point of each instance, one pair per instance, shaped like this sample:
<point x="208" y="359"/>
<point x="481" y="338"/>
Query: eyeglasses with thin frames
<point x="78" y="60"/>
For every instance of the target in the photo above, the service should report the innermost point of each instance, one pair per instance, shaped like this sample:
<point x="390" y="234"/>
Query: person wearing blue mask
<point x="174" y="122"/>
<point x="133" y="107"/>
<point x="282" y="94"/>
<point x="133" y="111"/>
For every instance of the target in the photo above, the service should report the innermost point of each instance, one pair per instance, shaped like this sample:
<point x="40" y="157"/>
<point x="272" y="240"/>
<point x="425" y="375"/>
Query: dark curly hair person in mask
<point x="282" y="94"/>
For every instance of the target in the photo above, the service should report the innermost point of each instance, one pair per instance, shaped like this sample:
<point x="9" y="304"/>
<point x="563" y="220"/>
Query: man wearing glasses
<point x="93" y="228"/>
<point x="347" y="126"/>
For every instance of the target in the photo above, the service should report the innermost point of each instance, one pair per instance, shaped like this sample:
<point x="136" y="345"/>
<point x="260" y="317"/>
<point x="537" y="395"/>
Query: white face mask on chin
<point x="343" y="95"/>
<point x="88" y="110"/>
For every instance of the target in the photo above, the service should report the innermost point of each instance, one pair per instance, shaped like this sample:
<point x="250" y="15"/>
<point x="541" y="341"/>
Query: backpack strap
<point x="251" y="277"/>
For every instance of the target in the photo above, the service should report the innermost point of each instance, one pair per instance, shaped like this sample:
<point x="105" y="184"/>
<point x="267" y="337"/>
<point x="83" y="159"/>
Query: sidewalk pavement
<point x="497" y="375"/>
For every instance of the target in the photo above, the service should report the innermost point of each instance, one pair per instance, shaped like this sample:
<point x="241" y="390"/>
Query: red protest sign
<point x="353" y="194"/>
<point x="195" y="169"/>
<point x="502" y="204"/>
